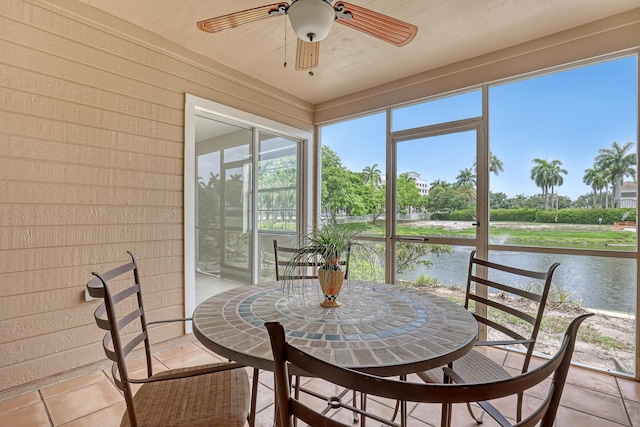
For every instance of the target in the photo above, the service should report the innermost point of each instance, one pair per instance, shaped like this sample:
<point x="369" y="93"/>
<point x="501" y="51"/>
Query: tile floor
<point x="590" y="399"/>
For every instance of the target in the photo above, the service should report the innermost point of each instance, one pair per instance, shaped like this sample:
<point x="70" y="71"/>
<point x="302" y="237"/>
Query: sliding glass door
<point x="247" y="192"/>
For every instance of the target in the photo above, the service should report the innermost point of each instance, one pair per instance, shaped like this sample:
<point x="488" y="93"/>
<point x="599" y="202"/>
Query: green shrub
<point x="562" y="216"/>
<point x="585" y="216"/>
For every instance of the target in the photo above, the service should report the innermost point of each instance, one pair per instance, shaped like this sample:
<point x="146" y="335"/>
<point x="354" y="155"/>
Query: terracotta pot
<point x="331" y="278"/>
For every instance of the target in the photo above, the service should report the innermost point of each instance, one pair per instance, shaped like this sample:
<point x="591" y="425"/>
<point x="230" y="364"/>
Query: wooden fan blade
<point x="307" y="55"/>
<point x="232" y="20"/>
<point x="375" y="24"/>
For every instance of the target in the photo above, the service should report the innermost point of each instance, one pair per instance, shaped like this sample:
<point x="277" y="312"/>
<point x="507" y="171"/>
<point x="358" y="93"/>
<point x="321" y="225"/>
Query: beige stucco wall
<point x="91" y="165"/>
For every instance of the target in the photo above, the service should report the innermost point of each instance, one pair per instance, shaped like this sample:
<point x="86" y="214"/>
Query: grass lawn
<point x="515" y="233"/>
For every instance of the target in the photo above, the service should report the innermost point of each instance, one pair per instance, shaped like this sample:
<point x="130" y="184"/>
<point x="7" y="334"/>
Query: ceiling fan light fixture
<point x="311" y="19"/>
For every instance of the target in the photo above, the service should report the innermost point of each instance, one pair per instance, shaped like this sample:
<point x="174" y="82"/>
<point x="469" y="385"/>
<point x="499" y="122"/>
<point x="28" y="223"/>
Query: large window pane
<point x="278" y="178"/>
<point x="277" y="184"/>
<point x="436" y="183"/>
<point x="564" y="155"/>
<point x="603" y="285"/>
<point x="353" y="168"/>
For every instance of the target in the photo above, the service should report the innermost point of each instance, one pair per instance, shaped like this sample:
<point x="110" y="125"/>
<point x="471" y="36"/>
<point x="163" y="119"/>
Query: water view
<point x="597" y="282"/>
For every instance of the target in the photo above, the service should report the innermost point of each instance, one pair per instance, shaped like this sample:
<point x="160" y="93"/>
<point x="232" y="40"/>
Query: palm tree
<point x="495" y="164"/>
<point x="466" y="177"/>
<point x="439" y="183"/>
<point x="597" y="179"/>
<point x="556" y="179"/>
<point x="371" y="174"/>
<point x="618" y="163"/>
<point x="541" y="175"/>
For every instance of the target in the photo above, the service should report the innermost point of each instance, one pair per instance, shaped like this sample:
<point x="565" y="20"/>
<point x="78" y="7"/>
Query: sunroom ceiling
<point x="350" y="61"/>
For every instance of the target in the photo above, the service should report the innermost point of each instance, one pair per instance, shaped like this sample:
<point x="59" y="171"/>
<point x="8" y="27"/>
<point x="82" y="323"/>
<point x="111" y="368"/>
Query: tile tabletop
<point x="379" y="328"/>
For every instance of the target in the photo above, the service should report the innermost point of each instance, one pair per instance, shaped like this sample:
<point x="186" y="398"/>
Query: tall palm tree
<point x="541" y="175"/>
<point x="495" y="164"/>
<point x="597" y="179"/>
<point x="618" y="162"/>
<point x="371" y="174"/>
<point x="466" y="177"/>
<point x="555" y="178"/>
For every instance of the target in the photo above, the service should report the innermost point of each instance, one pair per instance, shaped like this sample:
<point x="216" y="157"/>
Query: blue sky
<point x="564" y="116"/>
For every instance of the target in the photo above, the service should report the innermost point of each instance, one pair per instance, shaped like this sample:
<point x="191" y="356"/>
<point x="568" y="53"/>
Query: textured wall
<point x="91" y="162"/>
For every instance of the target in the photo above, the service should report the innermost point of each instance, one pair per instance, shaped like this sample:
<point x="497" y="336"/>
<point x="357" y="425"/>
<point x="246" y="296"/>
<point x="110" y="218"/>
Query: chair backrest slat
<point x="539" y="275"/>
<point x="108" y="316"/>
<point x="289" y="407"/>
<point x="512" y="290"/>
<point x="500" y="278"/>
<point x="507" y="309"/>
<point x="498" y="327"/>
<point x="302" y="268"/>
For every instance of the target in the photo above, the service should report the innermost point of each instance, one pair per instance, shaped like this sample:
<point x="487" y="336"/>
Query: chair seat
<point x="180" y="402"/>
<point x="473" y="367"/>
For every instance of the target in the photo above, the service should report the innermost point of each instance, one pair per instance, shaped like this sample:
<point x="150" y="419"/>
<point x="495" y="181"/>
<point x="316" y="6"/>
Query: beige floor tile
<point x="82" y="402"/>
<point x="107" y="417"/>
<point x="72" y="384"/>
<point x="18" y="402"/>
<point x="264" y="418"/>
<point x="264" y="397"/>
<point x="630" y="389"/>
<point x="28" y="416"/>
<point x="633" y="408"/>
<point x="460" y="416"/>
<point x="176" y="351"/>
<point x="568" y="417"/>
<point x="591" y="402"/>
<point x="593" y="380"/>
<point x="265" y="377"/>
<point x="194" y="358"/>
<point x="514" y="360"/>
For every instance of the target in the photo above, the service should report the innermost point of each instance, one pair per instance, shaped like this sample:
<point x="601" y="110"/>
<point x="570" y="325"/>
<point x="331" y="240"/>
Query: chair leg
<point x="400" y="407"/>
<point x="445" y="420"/>
<point x="363" y="406"/>
<point x="355" y="414"/>
<point x="254" y="396"/>
<point x="478" y="420"/>
<point x="519" y="408"/>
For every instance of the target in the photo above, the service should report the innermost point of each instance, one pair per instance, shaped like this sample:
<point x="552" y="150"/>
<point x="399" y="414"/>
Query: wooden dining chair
<point x="211" y="395"/>
<point x="542" y="411"/>
<point x="290" y="269"/>
<point x="502" y="318"/>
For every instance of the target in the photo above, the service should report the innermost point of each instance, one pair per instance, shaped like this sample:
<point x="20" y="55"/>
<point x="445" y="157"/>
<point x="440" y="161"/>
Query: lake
<point x="599" y="282"/>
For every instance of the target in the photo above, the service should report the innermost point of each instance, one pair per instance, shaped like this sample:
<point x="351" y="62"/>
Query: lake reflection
<point x="600" y="282"/>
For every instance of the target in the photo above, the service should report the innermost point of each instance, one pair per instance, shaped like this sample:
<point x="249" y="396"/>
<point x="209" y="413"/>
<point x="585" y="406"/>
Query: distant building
<point x="629" y="194"/>
<point x="422" y="184"/>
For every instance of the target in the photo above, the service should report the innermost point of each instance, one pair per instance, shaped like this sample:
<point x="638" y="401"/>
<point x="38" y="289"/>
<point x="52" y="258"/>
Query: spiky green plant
<point x="325" y="244"/>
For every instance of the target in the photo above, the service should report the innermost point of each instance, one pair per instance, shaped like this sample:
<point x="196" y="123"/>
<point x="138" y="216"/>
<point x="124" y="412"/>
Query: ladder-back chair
<point x="531" y="288"/>
<point x="542" y="411"/>
<point x="215" y="394"/>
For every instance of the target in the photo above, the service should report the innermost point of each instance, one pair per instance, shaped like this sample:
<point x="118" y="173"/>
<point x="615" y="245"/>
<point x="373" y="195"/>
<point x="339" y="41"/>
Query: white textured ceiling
<point x="350" y="61"/>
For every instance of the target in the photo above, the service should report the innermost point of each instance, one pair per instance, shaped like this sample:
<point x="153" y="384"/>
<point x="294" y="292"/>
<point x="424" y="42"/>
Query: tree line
<point x="363" y="193"/>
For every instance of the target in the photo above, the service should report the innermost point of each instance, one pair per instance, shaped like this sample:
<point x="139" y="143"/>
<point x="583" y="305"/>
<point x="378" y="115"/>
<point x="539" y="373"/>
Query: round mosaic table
<point x="381" y="329"/>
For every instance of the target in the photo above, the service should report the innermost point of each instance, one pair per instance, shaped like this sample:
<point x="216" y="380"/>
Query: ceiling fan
<point x="311" y="21"/>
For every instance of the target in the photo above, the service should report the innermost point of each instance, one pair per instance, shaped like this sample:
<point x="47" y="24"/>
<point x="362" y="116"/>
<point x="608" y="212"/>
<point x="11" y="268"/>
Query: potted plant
<point x="330" y="246"/>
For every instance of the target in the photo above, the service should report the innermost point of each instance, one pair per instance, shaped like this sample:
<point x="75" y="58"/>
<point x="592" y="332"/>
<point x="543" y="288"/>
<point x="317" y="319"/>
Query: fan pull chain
<point x="285" y="42"/>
